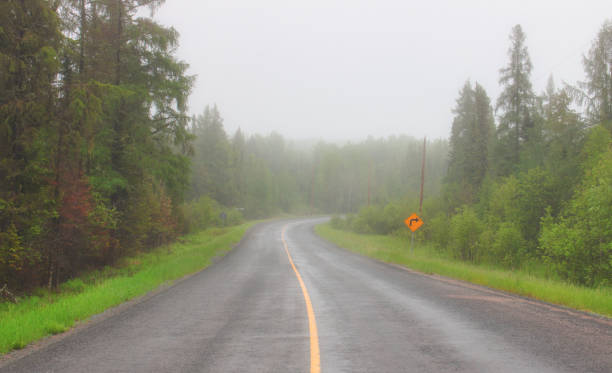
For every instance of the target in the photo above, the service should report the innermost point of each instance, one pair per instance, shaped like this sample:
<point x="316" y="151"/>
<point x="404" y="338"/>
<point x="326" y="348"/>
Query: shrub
<point x="508" y="245"/>
<point x="378" y="219"/>
<point x="205" y="212"/>
<point x="486" y="243"/>
<point x="362" y="221"/>
<point x="437" y="230"/>
<point x="234" y="217"/>
<point x="338" y="222"/>
<point x="200" y="214"/>
<point x="579" y="243"/>
<point x="465" y="229"/>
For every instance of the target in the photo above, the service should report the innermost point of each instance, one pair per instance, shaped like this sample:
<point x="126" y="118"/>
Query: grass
<point x="46" y="313"/>
<point x="394" y="249"/>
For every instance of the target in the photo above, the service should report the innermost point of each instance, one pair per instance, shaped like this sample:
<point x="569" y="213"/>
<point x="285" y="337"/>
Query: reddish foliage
<point x="75" y="207"/>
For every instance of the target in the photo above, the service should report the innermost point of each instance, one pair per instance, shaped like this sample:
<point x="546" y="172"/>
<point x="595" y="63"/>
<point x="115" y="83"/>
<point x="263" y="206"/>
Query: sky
<point x="343" y="70"/>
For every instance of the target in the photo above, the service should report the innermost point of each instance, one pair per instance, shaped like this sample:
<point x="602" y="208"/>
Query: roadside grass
<point x="46" y="313"/>
<point x="394" y="249"/>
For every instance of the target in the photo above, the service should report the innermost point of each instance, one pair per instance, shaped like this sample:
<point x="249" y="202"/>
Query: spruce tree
<point x="469" y="143"/>
<point x="515" y="105"/>
<point x="598" y="86"/>
<point x="29" y="64"/>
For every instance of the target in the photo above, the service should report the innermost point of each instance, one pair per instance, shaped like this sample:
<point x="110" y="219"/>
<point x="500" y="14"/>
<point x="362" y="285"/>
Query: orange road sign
<point x="413" y="222"/>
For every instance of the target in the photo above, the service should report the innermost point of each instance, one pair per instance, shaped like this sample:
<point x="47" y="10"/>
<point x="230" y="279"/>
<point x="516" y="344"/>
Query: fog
<point x="346" y="69"/>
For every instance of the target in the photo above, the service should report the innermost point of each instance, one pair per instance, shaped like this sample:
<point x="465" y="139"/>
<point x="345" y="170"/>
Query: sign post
<point x="413" y="222"/>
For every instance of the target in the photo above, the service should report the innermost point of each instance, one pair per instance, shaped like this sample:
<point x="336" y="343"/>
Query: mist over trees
<point x="263" y="175"/>
<point x="99" y="158"/>
<point x="531" y="189"/>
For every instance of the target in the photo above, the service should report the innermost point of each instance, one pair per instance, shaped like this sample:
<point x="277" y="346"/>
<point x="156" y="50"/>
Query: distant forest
<point x="99" y="158"/>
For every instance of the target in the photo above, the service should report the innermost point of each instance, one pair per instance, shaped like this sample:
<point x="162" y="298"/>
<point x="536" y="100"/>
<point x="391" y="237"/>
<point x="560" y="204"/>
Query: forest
<point x="529" y="177"/>
<point x="100" y="158"/>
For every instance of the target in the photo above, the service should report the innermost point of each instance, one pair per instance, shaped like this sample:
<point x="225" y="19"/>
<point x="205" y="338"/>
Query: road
<point x="284" y="293"/>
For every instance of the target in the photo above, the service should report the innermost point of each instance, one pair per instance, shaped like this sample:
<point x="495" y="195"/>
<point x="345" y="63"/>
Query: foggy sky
<point x="346" y="69"/>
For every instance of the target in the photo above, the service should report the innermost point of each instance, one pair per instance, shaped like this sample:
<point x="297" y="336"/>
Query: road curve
<point x="248" y="313"/>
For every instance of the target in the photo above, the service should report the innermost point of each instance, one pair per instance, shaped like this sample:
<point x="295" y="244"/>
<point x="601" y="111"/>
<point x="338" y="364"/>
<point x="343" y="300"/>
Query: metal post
<point x="412" y="243"/>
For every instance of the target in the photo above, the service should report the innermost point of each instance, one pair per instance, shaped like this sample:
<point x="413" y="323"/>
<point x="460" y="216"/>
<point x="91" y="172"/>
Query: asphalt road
<point x="249" y="313"/>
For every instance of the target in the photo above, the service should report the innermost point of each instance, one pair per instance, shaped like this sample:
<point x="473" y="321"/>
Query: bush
<point x="466" y="229"/>
<point x="338" y="222"/>
<point x="579" y="243"/>
<point x="508" y="245"/>
<point x="205" y="212"/>
<point x="200" y="214"/>
<point x="486" y="243"/>
<point x="234" y="217"/>
<point x="437" y="230"/>
<point x="378" y="219"/>
<point x="364" y="220"/>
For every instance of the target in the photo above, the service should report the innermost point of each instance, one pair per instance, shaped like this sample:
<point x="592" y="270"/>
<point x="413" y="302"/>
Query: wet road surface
<point x="249" y="313"/>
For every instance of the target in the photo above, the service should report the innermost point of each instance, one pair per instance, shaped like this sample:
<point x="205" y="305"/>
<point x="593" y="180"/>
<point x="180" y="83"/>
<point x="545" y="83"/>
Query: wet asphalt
<point x="247" y="313"/>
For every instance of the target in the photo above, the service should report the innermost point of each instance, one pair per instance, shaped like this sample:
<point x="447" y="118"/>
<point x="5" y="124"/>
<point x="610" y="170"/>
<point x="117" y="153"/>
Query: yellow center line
<point x="315" y="359"/>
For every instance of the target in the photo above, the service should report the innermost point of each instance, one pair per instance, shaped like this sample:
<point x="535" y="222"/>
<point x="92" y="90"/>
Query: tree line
<point x="99" y="158"/>
<point x="266" y="175"/>
<point x="529" y="179"/>
<point x="94" y="137"/>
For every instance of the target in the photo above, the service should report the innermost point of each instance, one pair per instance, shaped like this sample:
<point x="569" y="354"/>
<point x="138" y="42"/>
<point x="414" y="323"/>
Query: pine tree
<point x="483" y="132"/>
<point x="563" y="133"/>
<point x="29" y="41"/>
<point x="212" y="158"/>
<point x="516" y="104"/>
<point x="93" y="128"/>
<point x="238" y="165"/>
<point x="469" y="143"/>
<point x="598" y="86"/>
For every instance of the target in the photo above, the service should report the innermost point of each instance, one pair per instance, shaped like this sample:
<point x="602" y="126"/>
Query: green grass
<point x="47" y="313"/>
<point x="394" y="249"/>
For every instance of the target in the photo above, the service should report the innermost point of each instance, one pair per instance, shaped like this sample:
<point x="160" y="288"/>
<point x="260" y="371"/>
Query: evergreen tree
<point x="598" y="86"/>
<point x="29" y="64"/>
<point x="238" y="165"/>
<point x="469" y="144"/>
<point x="516" y="104"/>
<point x="94" y="137"/>
<point x="563" y="133"/>
<point x="212" y="158"/>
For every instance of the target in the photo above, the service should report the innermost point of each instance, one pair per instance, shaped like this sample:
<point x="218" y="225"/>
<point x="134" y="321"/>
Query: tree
<point x="515" y="103"/>
<point x="124" y="100"/>
<point x="469" y="143"/>
<point x="212" y="157"/>
<point x="93" y="135"/>
<point x="579" y="243"/>
<point x="29" y="43"/>
<point x="562" y="137"/>
<point x="238" y="165"/>
<point x="596" y="91"/>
